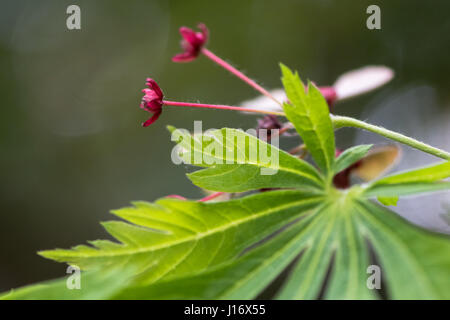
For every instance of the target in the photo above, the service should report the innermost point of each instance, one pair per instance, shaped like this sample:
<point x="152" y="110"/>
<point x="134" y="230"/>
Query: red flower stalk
<point x="153" y="102"/>
<point x="193" y="43"/>
<point x="205" y="199"/>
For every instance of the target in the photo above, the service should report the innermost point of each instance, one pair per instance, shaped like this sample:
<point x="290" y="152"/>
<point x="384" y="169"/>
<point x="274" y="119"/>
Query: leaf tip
<point x="171" y="128"/>
<point x="388" y="201"/>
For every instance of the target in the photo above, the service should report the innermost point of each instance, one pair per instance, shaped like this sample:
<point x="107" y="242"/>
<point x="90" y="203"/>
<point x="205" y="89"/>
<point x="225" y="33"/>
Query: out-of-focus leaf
<point x="421" y="180"/>
<point x="414" y="262"/>
<point x="388" y="201"/>
<point x="426" y="174"/>
<point x="378" y="161"/>
<point x="94" y="285"/>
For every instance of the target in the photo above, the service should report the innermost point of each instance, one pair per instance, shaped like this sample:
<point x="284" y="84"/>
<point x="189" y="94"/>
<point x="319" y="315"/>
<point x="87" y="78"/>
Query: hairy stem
<point x="339" y="122"/>
<point x="219" y="106"/>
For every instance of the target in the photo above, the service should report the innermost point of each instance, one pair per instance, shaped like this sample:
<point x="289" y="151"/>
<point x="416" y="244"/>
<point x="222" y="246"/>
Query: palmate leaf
<point x="244" y="278"/>
<point x="191" y="250"/>
<point x="172" y="237"/>
<point x="336" y="236"/>
<point x="339" y="237"/>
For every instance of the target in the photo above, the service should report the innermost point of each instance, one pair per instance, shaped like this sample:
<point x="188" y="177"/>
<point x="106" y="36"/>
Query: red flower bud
<point x="192" y="43"/>
<point x="152" y="101"/>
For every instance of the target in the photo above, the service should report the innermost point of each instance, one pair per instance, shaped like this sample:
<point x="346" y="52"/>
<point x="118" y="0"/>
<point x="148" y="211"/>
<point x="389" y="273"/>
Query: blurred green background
<point x="71" y="143"/>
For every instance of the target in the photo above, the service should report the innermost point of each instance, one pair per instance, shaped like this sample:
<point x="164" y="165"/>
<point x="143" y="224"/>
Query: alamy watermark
<point x="374" y="280"/>
<point x="374" y="20"/>
<point x="74" y="280"/>
<point x="73" y="21"/>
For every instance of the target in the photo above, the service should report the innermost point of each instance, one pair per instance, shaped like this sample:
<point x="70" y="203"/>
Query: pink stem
<point x="218" y="106"/>
<point x="211" y="196"/>
<point x="175" y="196"/>
<point x="237" y="73"/>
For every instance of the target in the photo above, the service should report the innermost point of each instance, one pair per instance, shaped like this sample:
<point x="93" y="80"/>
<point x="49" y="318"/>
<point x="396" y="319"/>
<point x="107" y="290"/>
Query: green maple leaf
<point x="191" y="250"/>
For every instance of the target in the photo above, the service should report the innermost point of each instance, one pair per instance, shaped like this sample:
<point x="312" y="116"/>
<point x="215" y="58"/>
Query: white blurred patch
<point x="360" y="81"/>
<point x="348" y="85"/>
<point x="265" y="103"/>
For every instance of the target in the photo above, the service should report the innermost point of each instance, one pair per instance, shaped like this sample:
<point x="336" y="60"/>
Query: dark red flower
<point x="269" y="122"/>
<point x="152" y="101"/>
<point x="192" y="43"/>
<point x="342" y="179"/>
